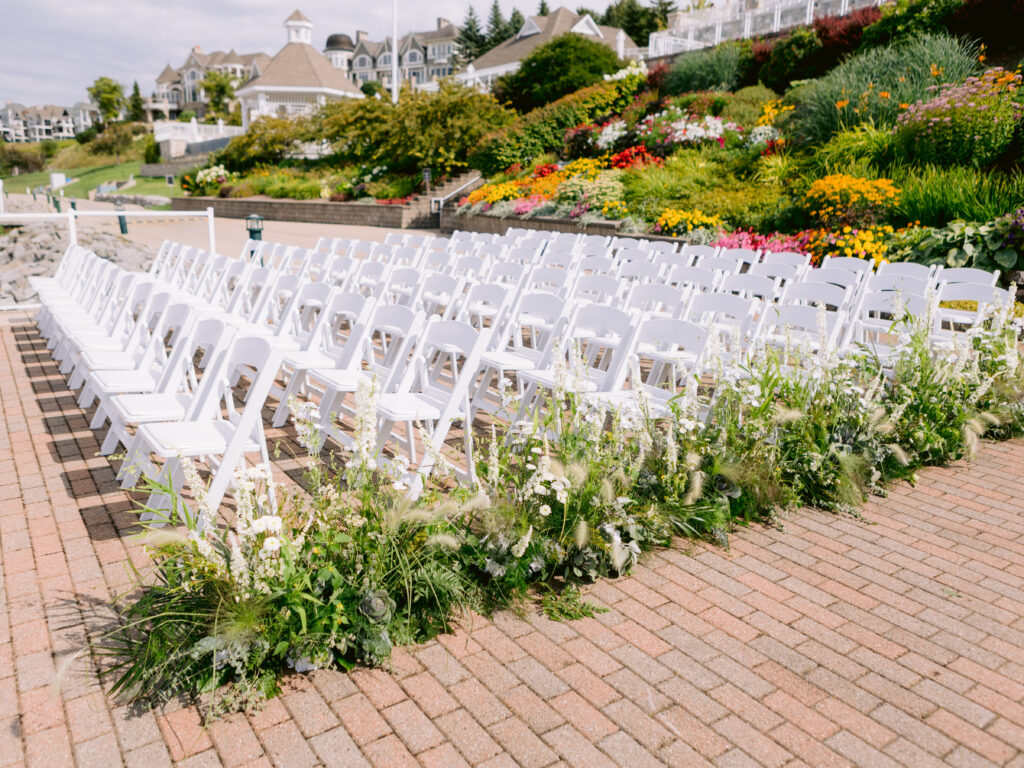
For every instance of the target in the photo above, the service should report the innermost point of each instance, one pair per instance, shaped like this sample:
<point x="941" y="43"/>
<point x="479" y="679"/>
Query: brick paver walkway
<point x="895" y="640"/>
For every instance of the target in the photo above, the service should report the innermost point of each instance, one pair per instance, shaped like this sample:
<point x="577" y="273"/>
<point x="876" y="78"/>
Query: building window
<point x="362" y="61"/>
<point x="413" y="57"/>
<point x="384" y="60"/>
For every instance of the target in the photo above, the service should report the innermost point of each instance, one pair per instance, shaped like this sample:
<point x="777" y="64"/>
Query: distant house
<point x="19" y="123"/>
<point x="180" y="89"/>
<point x="424" y="57"/>
<point x="535" y="32"/>
<point x="297" y="80"/>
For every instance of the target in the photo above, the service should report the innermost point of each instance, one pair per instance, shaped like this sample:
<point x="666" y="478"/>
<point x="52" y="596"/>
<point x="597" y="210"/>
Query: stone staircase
<point x="423" y="217"/>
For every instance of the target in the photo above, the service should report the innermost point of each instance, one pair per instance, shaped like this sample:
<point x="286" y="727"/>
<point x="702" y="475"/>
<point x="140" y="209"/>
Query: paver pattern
<point x="892" y="640"/>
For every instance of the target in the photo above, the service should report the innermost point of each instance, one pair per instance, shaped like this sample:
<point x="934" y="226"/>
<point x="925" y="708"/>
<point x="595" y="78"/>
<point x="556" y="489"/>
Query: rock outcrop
<point x="35" y="249"/>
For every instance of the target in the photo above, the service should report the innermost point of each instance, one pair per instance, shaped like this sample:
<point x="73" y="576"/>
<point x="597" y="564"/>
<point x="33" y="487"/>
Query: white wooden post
<point x="718" y="32"/>
<point x="210" y="228"/>
<point x="394" y="51"/>
<point x="809" y="16"/>
<point x="777" y="21"/>
<point x="748" y="22"/>
<point x="72" y="228"/>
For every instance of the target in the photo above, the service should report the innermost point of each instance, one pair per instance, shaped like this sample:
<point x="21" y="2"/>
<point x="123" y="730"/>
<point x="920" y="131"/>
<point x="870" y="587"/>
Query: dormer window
<point x="529" y="28"/>
<point x="384" y="60"/>
<point x="413" y="57"/>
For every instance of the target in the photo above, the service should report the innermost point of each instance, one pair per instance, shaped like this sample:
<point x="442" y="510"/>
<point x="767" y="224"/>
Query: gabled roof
<point x="231" y="58"/>
<point x="300" y="65"/>
<point x="297" y="15"/>
<point x="538" y="30"/>
<point x="167" y="76"/>
<point x="448" y="31"/>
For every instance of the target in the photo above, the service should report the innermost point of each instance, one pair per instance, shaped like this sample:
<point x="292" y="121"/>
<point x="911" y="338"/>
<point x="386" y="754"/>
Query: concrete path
<point x="892" y="640"/>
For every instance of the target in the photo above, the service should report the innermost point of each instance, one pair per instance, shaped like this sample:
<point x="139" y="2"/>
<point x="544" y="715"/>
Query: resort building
<point x="297" y="80"/>
<point x="181" y="89"/>
<point x="424" y="57"/>
<point x="535" y="32"/>
<point x="19" y="123"/>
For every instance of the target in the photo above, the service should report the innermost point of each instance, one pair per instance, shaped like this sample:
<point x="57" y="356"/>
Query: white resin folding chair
<point x="534" y="322"/>
<point x="216" y="428"/>
<point x="813" y="329"/>
<point x="879" y="320"/>
<point x="750" y="286"/>
<point x="596" y="289"/>
<point x="835" y="296"/>
<point x="657" y="299"/>
<point x="746" y="256"/>
<point x="844" y="278"/>
<point x="592" y="357"/>
<point x="549" y="280"/>
<point x="699" y="251"/>
<point x="692" y="278"/>
<point x="986" y="298"/>
<point x="725" y="264"/>
<point x="733" y="319"/>
<point x="633" y="272"/>
<point x="784" y="273"/>
<point x="669" y="351"/>
<point x="434" y="394"/>
<point x="170" y="399"/>
<point x="790" y="258"/>
<point x="849" y="263"/>
<point x="483" y="306"/>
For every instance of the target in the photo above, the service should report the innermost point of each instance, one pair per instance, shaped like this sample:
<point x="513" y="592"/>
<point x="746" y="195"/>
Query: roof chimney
<point x="362" y="35"/>
<point x="442" y="22"/>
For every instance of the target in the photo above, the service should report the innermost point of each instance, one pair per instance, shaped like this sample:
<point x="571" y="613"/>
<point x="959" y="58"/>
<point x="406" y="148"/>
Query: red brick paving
<point x="896" y="639"/>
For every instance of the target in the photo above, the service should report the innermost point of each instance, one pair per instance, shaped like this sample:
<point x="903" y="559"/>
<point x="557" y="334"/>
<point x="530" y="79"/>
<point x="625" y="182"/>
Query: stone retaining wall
<point x="173" y="167"/>
<point x="144" y="200"/>
<point x="312" y="211"/>
<point x="450" y="221"/>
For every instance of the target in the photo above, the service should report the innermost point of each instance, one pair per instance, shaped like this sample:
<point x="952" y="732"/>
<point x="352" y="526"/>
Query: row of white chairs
<point x="440" y="345"/>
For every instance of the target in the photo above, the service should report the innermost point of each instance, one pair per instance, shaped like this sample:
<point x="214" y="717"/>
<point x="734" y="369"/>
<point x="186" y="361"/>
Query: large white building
<point x="423" y="57"/>
<point x="181" y="89"/>
<point x="297" y="80"/>
<point x="20" y="123"/>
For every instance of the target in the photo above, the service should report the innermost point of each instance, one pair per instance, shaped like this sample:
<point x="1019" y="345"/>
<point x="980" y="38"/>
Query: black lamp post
<point x="254" y="223"/>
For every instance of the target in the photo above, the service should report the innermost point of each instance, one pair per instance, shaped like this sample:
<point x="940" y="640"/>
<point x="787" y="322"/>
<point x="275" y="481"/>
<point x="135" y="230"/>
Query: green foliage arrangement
<point x="108" y="95"/>
<point x="342" y="576"/>
<point x="871" y="86"/>
<point x="564" y="65"/>
<point x="935" y="195"/>
<point x="268" y="140"/>
<point x="744" y="108"/>
<point x="995" y="244"/>
<point x="151" y="153"/>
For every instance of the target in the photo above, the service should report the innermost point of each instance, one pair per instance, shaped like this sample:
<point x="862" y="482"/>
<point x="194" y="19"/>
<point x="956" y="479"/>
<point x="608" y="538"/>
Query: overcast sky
<point x="52" y="50"/>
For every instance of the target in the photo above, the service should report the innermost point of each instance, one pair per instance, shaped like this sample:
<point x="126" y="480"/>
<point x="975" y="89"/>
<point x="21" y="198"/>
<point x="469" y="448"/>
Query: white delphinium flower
<point x="210" y="553"/>
<point x="441" y="464"/>
<point x="559" y="370"/>
<point x="364" y="435"/>
<point x="238" y="567"/>
<point x="671" y="449"/>
<point x="307" y="433"/>
<point x="520" y="546"/>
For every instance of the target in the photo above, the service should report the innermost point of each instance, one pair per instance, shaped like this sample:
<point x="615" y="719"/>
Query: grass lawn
<point x="90" y="178"/>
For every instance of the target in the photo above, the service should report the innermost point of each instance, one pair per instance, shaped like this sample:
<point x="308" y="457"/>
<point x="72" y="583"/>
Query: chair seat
<point x="150" y="407"/>
<point x="508" y="361"/>
<point x="339" y="378"/>
<point x="625" y="400"/>
<point x="190" y="438"/>
<point x="123" y="381"/>
<point x="407" y="406"/>
<point x="308" y="358"/>
<point x="107" y="360"/>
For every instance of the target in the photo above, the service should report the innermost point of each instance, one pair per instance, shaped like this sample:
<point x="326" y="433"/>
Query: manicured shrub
<point x="151" y="153"/>
<point x="863" y="143"/>
<point x="910" y="17"/>
<point x="935" y="195"/>
<point x="709" y="69"/>
<point x="970" y="123"/>
<point x="267" y="141"/>
<point x="543" y="130"/>
<point x="795" y="57"/>
<point x="562" y="66"/>
<point x="995" y="244"/>
<point x="746" y="105"/>
<point x="871" y="86"/>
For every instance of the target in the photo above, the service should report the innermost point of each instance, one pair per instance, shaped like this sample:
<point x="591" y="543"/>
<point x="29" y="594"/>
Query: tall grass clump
<point x="872" y="85"/>
<point x="711" y="69"/>
<point x="934" y="195"/>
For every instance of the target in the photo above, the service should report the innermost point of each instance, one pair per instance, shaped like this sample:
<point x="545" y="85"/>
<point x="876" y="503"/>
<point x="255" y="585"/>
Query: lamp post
<point x="254" y="224"/>
<point x="394" y="51"/>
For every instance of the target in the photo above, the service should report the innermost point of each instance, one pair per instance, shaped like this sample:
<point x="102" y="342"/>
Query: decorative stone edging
<point x="312" y="211"/>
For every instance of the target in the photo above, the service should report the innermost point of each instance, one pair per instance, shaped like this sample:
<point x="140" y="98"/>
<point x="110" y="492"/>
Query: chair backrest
<point x="248" y="290"/>
<point x="842" y="277"/>
<point x="671" y="345"/>
<point x="775" y="270"/>
<point x="967" y="275"/>
<point x="605" y="337"/>
<point x="392" y="331"/>
<point x="722" y="308"/>
<point x="705" y="279"/>
<point x="484" y="304"/>
<point x="445" y="363"/>
<point x="302" y="313"/>
<point x="810" y="294"/>
<point x="596" y="265"/>
<point x="656" y="298"/>
<point x="599" y="289"/>
<point x="724" y="264"/>
<point x="883" y="281"/>
<point x="193" y="352"/>
<point x="528" y="255"/>
<point x="746" y="255"/>
<point x="906" y="269"/>
<point x="699" y="251"/>
<point x="658" y="246"/>
<point x="747" y="285"/>
<point x="849" y="263"/>
<point x="639" y="272"/>
<point x="558" y="259"/>
<point x="789" y="258"/>
<point x="803" y="323"/>
<point x="547" y="279"/>
<point x="986" y="298"/>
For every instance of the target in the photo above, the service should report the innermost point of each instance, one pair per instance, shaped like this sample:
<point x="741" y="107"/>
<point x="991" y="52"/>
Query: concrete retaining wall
<point x="313" y="211"/>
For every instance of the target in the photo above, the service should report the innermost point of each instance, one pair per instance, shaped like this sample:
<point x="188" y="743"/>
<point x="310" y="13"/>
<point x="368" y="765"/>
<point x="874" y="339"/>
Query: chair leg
<point x="294" y="386"/>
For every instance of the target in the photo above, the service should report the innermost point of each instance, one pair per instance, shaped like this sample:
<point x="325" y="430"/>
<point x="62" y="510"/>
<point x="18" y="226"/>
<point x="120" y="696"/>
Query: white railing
<point x="701" y="29"/>
<point x="71" y="218"/>
<point x="192" y="131"/>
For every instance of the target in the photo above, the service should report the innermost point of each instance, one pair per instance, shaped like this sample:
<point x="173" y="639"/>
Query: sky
<point x="52" y="50"/>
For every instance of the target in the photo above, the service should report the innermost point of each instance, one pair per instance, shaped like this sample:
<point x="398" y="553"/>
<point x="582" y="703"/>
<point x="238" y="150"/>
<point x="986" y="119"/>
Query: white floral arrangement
<point x="611" y="134"/>
<point x="679" y="128"/>
<point x="215" y="174"/>
<point x="762" y="135"/>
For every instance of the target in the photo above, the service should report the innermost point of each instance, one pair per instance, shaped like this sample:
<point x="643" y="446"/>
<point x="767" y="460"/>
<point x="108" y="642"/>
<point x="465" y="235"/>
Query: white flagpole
<point x="394" y="51"/>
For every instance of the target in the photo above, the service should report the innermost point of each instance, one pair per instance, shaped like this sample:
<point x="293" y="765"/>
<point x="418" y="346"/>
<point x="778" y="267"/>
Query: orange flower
<point x="842" y="103"/>
<point x="883" y="94"/>
<point x="904" y="105"/>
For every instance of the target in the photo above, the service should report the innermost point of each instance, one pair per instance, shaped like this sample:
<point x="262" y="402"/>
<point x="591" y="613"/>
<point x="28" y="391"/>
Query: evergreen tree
<point x="637" y="20"/>
<point x="471" y="40"/>
<point x="542" y="9"/>
<point x="661" y="9"/>
<point x="136" y="108"/>
<point x="497" y="27"/>
<point x="515" y="22"/>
